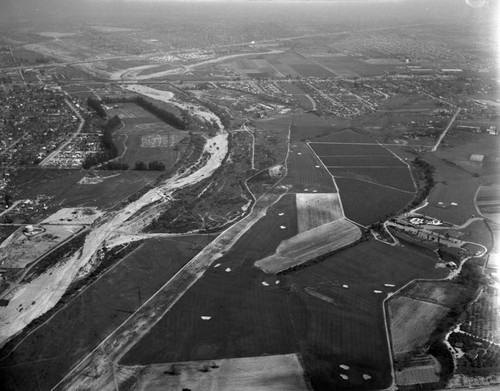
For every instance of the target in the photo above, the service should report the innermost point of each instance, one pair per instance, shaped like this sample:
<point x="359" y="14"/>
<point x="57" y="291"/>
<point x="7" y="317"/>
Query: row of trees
<point x="110" y="151"/>
<point x="96" y="105"/>
<point x="155" y="165"/>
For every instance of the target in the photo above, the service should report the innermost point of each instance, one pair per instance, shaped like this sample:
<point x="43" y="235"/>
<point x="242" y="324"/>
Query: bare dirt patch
<point x="315" y="209"/>
<point x="310" y="244"/>
<point x="20" y="250"/>
<point x="283" y="372"/>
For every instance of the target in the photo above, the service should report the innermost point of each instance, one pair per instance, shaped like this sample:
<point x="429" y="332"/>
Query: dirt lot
<point x="316" y="209"/>
<point x="19" y="250"/>
<point x="249" y="373"/>
<point x="309" y="245"/>
<point x="51" y="349"/>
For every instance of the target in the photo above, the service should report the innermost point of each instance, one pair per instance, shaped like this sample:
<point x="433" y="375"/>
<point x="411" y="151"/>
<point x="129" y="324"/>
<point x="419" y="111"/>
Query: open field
<point x="349" y="329"/>
<point x="307" y="126"/>
<point x="247" y="318"/>
<point x="309" y="245"/>
<point x="376" y="161"/>
<point x="348" y="137"/>
<point x="71" y="216"/>
<point x="317" y="209"/>
<point x="64" y="186"/>
<point x="412" y="322"/>
<point x="366" y="203"/>
<point x="450" y="177"/>
<point x="306" y="173"/>
<point x="311" y="70"/>
<point x="397" y="177"/>
<point x="251" y="313"/>
<point x="19" y="249"/>
<point x="298" y="94"/>
<point x="264" y="373"/>
<point x="52" y="348"/>
<point x="349" y="66"/>
<point x="144" y="137"/>
<point x="445" y="293"/>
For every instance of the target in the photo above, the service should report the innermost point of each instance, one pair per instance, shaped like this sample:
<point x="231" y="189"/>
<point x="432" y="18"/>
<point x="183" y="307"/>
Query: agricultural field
<point x="426" y="371"/>
<point x="309" y="245"/>
<point x="360" y="167"/>
<point x="47" y="353"/>
<point x="348" y="66"/>
<point x="65" y="188"/>
<point x="317" y="209"/>
<point x="245" y="374"/>
<point x="308" y="126"/>
<point x="397" y="178"/>
<point x="445" y="203"/>
<point x="144" y="137"/>
<point x="366" y="203"/>
<point x="488" y="201"/>
<point x="444" y="293"/>
<point x="349" y="328"/>
<point x="372" y="161"/>
<point x="306" y="173"/>
<point x="344" y="149"/>
<point x="248" y="313"/>
<point x="247" y="318"/>
<point x="412" y="322"/>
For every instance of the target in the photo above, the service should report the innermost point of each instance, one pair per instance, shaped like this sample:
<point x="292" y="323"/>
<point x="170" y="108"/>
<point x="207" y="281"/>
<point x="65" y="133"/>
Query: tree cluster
<point x="96" y="105"/>
<point x="155" y="165"/>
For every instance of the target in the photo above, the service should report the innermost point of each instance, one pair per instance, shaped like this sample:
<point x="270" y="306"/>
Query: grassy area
<point x="366" y="203"/>
<point x="65" y="191"/>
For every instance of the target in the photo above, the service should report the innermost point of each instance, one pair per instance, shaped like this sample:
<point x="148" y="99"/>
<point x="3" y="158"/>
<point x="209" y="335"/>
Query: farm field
<point x="366" y="203"/>
<point x="309" y="245"/>
<point x="445" y="293"/>
<point x="349" y="328"/>
<point x="348" y="149"/>
<point x="244" y="374"/>
<point x="144" y="137"/>
<point x="248" y="313"/>
<point x="449" y="178"/>
<point x="396" y="177"/>
<point x="307" y="126"/>
<point x="247" y="318"/>
<point x="306" y="173"/>
<point x="348" y="66"/>
<point x="317" y="209"/>
<point x="65" y="190"/>
<point x="419" y="374"/>
<point x="347" y="137"/>
<point x="361" y="167"/>
<point x="51" y="349"/>
<point x="311" y="70"/>
<point x="412" y="322"/>
<point x="373" y="161"/>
